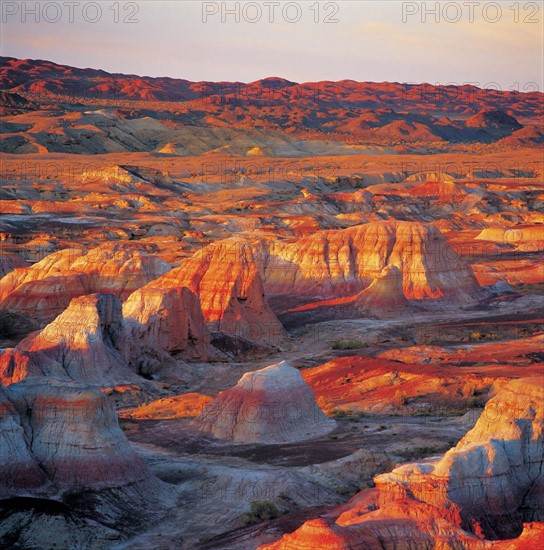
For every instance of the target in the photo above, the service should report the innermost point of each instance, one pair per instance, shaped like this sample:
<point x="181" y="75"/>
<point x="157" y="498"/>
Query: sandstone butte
<point x="384" y="297"/>
<point x="528" y="238"/>
<point x="86" y="342"/>
<point x="46" y="288"/>
<point x="225" y="277"/>
<point x="271" y="405"/>
<point x="335" y="263"/>
<point x="481" y="494"/>
<point x="90" y="341"/>
<point x="160" y="320"/>
<point x="58" y="436"/>
<point x="235" y="277"/>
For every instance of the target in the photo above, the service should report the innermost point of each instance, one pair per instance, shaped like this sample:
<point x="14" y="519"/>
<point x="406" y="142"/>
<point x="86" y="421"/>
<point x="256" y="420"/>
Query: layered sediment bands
<point x="87" y="342"/>
<point x="528" y="239"/>
<point x="46" y="288"/>
<point x="336" y="263"/>
<point x="489" y="487"/>
<point x="58" y="436"/>
<point x="271" y="405"/>
<point x="170" y="320"/>
<point x="226" y="278"/>
<point x="18" y="468"/>
<point x="492" y="480"/>
<point x="385" y="296"/>
<point x="318" y="533"/>
<point x="397" y="261"/>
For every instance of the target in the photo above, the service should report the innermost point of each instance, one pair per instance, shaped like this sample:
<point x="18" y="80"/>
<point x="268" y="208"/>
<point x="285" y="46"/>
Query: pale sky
<point x="364" y="40"/>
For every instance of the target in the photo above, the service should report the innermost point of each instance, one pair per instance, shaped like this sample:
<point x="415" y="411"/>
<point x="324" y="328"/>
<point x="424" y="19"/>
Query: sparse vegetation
<point x="261" y="510"/>
<point x="342" y="345"/>
<point x="476" y="336"/>
<point x="475" y="403"/>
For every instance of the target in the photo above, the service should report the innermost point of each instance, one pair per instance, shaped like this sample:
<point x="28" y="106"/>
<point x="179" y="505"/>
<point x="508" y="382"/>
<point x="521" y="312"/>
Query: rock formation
<point x="18" y="468"/>
<point x="226" y="278"/>
<point x="493" y="119"/>
<point x="68" y="476"/>
<point x="524" y="238"/>
<point x="271" y="405"/>
<point x="337" y="263"/>
<point x="87" y="343"/>
<point x="46" y="288"/>
<point x="162" y="320"/>
<point x="91" y="342"/>
<point x="9" y="262"/>
<point x="60" y="435"/>
<point x="384" y="297"/>
<point x="486" y="488"/>
<point x="318" y="533"/>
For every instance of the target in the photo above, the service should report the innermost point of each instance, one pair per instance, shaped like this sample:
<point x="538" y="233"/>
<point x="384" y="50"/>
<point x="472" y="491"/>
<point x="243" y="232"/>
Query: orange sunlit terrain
<point x="269" y="315"/>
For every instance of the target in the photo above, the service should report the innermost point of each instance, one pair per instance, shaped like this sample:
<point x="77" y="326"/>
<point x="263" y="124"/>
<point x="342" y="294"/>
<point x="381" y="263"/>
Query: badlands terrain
<point x="269" y="315"/>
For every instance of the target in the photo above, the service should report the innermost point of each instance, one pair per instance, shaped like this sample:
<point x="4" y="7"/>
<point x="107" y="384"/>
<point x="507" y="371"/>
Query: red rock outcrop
<point x="16" y="365"/>
<point x="169" y="320"/>
<point x="493" y="119"/>
<point x="526" y="239"/>
<point x="531" y="537"/>
<point x="186" y="405"/>
<point x="343" y="105"/>
<point x="46" y="288"/>
<point x="388" y="262"/>
<point x="482" y="490"/>
<point x="271" y="405"/>
<point x="58" y="436"/>
<point x="318" y="533"/>
<point x="336" y="263"/>
<point x="226" y="278"/>
<point x="384" y="297"/>
<point x="87" y="343"/>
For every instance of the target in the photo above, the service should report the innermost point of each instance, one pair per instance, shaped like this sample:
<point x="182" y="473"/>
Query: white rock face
<point x="18" y="469"/>
<point x="170" y="320"/>
<point x="86" y="342"/>
<point x="491" y="482"/>
<point x="46" y="288"/>
<point x="485" y="493"/>
<point x="271" y="405"/>
<point x="58" y="435"/>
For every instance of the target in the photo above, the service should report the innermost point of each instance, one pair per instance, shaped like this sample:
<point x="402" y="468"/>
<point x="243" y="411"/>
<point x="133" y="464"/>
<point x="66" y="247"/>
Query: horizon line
<point x="272" y="77"/>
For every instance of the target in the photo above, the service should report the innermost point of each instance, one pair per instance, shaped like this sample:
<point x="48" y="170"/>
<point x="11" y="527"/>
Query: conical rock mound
<point x="87" y="342"/>
<point x="59" y="435"/>
<point x="384" y="297"/>
<point x="271" y="405"/>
